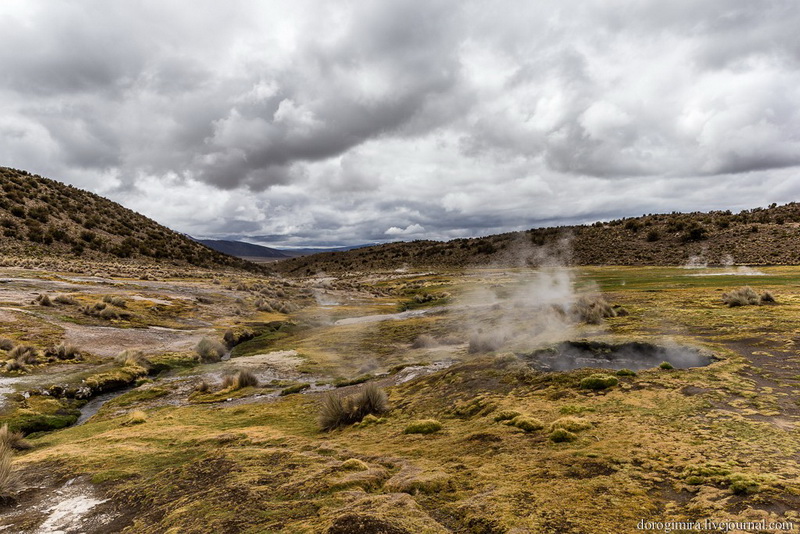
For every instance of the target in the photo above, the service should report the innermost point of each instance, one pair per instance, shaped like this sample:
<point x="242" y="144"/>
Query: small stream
<point x="366" y="319"/>
<point x="95" y="403"/>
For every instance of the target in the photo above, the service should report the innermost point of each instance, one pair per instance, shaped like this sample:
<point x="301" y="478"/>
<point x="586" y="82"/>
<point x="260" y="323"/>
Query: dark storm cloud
<point x="362" y="121"/>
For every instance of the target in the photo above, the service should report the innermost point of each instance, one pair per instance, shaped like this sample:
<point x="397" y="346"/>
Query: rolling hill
<point x="41" y="218"/>
<point x="760" y="236"/>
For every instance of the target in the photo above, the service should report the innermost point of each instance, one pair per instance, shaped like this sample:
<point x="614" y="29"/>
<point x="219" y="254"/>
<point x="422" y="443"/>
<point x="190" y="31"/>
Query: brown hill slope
<point x="42" y="218"/>
<point x="761" y="236"/>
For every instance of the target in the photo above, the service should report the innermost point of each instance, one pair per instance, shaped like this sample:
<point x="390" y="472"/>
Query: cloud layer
<point x="303" y="123"/>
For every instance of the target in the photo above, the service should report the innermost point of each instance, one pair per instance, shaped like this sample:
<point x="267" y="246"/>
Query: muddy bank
<point x="110" y="341"/>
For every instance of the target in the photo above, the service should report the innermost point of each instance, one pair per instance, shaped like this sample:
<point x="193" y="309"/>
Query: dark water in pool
<point x="633" y="355"/>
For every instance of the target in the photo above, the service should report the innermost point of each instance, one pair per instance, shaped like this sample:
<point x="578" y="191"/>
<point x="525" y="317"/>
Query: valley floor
<point x="163" y="444"/>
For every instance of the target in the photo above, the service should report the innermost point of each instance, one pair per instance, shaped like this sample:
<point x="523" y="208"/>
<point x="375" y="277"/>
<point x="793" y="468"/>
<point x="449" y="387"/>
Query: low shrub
<point x="210" y="350"/>
<point x="43" y="300"/>
<point x="15" y="365"/>
<point x="561" y="435"/>
<point x="741" y="484"/>
<point x="767" y="298"/>
<point x="354" y="464"/>
<point x="369" y="420"/>
<point x="528" y="424"/>
<point x="423" y="426"/>
<point x="65" y="299"/>
<point x="64" y="351"/>
<point x="598" y="381"/>
<point x="24" y="354"/>
<point x="114" y="301"/>
<point x="6" y="344"/>
<point x="592" y="309"/>
<point x="297" y="388"/>
<point x="666" y="366"/>
<point x="743" y="296"/>
<point x="108" y="314"/>
<point x="573" y="424"/>
<point x="626" y="372"/>
<point x="506" y="415"/>
<point x="236" y="337"/>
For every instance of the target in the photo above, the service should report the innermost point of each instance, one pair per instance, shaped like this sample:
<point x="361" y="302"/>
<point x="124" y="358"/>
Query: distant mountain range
<point x="240" y="249"/>
<point x="260" y="253"/>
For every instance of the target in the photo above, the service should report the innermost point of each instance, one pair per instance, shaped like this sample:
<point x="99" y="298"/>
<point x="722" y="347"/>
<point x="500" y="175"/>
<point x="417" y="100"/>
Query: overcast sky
<point x="321" y="123"/>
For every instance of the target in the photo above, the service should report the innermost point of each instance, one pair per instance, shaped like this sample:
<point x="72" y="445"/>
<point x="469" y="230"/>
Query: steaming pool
<point x="635" y="356"/>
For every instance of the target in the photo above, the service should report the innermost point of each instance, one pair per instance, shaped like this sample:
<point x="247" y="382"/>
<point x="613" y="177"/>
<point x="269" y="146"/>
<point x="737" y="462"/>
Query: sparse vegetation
<point x="573" y="424"/>
<point x="424" y="341"/>
<point x="210" y="350"/>
<point x="65" y="299"/>
<point x="297" y="388"/>
<point x="136" y="417"/>
<point x="562" y="435"/>
<point x="12" y="440"/>
<point x="133" y="358"/>
<point x="743" y="296"/>
<point x="482" y="342"/>
<point x="337" y="410"/>
<point x="506" y="415"/>
<point x="528" y="424"/>
<point x="114" y="301"/>
<point x="64" y="351"/>
<point x="262" y="464"/>
<point x="6" y="473"/>
<point x="423" y="426"/>
<point x="239" y="380"/>
<point x="24" y="354"/>
<point x="598" y="381"/>
<point x="592" y="309"/>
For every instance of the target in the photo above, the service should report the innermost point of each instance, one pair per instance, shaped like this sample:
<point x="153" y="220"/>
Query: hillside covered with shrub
<point x="760" y="236"/>
<point x="42" y="218"/>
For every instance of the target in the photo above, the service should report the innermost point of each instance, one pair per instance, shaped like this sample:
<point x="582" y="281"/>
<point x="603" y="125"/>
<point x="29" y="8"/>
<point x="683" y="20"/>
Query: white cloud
<point x="306" y="123"/>
<point x="412" y="229"/>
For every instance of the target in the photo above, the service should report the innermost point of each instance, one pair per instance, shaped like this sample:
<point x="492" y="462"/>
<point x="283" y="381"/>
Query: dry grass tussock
<point x="65" y="351"/>
<point x="132" y="358"/>
<point x="746" y="296"/>
<point x="337" y="410"/>
<point x="592" y="309"/>
<point x="239" y="380"/>
<point x="6" y="473"/>
<point x="210" y="350"/>
<point x="13" y="440"/>
<point x="24" y="354"/>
